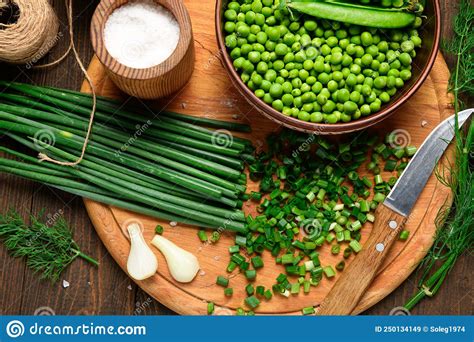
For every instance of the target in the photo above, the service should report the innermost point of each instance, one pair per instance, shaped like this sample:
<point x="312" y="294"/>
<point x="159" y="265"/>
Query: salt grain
<point x="141" y="34"/>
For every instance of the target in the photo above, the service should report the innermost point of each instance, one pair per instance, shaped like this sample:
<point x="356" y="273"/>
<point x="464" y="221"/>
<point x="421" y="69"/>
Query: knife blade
<point x="391" y="216"/>
<point x="411" y="183"/>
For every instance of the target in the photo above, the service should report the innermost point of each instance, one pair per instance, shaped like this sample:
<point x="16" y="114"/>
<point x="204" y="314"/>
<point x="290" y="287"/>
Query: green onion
<point x="222" y="281"/>
<point x="159" y="229"/>
<point x="210" y="308"/>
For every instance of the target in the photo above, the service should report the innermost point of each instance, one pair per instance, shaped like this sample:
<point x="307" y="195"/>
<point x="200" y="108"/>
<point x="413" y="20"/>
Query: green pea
<point x="281" y="49"/>
<point x="350" y="107"/>
<point x="365" y="110"/>
<point x="267" y="11"/>
<point x="367" y="60"/>
<point x="257" y="79"/>
<point x="351" y="80"/>
<point x="318" y="66"/>
<point x="355" y="69"/>
<point x="262" y="67"/>
<point x="270" y="46"/>
<point x="239" y="62"/>
<point x="384" y="97"/>
<point x="254" y="57"/>
<point x="308" y="107"/>
<point x="371" y="98"/>
<point x="273" y="33"/>
<point x="345" y="117"/>
<point x="311" y="80"/>
<point x="375" y="65"/>
<point x="311" y="53"/>
<point x="316" y="117"/>
<point x="245" y="49"/>
<point x="287" y="99"/>
<point x="322" y="99"/>
<point x="380" y="82"/>
<point x="259" y="19"/>
<point x="303" y="116"/>
<point x="294" y="73"/>
<point x="297" y="102"/>
<point x="229" y="27"/>
<point x="286" y="111"/>
<point x="243" y="31"/>
<point x="248" y="67"/>
<point x="266" y="85"/>
<point x="235" y="53"/>
<point x="257" y="6"/>
<point x="399" y="83"/>
<point x="234" y="5"/>
<point x="360" y="78"/>
<point x="267" y="98"/>
<point x="346" y="60"/>
<point x="329" y="107"/>
<point x="359" y="51"/>
<point x="325" y="50"/>
<point x="355" y="97"/>
<point x="317" y="87"/>
<point x="303" y="74"/>
<point x="261" y="37"/>
<point x="405" y="75"/>
<point x="245" y="77"/>
<point x="332" y="86"/>
<point x="324" y="78"/>
<point x="259" y="93"/>
<point x="332" y="41"/>
<point x="310" y="25"/>
<point x="405" y="59"/>
<point x="416" y="41"/>
<point x="296" y="83"/>
<point x="375" y="106"/>
<point x="366" y="38"/>
<point x="230" y="14"/>
<point x="384" y="68"/>
<point x="343" y="95"/>
<point x="278" y="105"/>
<point x="270" y="75"/>
<point x="336" y="58"/>
<point x="332" y="118"/>
<point x="296" y="92"/>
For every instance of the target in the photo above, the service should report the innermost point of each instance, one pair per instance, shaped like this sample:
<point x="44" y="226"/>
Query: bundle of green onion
<point x="169" y="167"/>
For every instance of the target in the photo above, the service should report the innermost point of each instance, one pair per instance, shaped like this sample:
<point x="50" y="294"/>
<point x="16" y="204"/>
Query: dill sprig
<point x="48" y="249"/>
<point x="455" y="223"/>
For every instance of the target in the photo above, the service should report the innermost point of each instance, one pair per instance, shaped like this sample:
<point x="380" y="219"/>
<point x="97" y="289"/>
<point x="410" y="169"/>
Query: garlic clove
<point x="142" y="263"/>
<point x="183" y="265"/>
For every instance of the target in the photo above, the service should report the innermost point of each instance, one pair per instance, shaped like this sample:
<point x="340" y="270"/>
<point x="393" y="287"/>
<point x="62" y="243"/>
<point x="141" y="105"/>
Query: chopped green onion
<point x="210" y="308"/>
<point x="222" y="281"/>
<point x="159" y="229"/>
<point x="355" y="245"/>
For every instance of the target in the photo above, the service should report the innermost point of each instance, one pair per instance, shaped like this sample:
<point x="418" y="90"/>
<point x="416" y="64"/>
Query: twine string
<point x="44" y="157"/>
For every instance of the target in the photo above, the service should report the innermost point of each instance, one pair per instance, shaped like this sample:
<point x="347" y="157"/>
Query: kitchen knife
<point x="391" y="216"/>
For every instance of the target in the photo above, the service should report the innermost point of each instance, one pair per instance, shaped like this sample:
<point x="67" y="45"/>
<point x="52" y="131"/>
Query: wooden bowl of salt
<point x="146" y="46"/>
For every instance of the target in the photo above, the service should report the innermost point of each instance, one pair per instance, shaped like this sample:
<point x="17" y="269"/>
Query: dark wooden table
<point x="107" y="290"/>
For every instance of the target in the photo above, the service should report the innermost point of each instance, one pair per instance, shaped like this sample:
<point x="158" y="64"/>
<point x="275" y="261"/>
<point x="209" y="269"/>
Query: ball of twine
<point x="32" y="35"/>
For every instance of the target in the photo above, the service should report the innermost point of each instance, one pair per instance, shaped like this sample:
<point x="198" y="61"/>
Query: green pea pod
<point x="355" y="14"/>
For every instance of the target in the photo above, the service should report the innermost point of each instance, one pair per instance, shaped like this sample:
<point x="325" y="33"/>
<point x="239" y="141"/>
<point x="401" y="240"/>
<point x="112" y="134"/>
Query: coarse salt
<point x="141" y="34"/>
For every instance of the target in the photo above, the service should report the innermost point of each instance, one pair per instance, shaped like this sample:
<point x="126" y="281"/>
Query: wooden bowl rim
<point x="98" y="21"/>
<point x="319" y="128"/>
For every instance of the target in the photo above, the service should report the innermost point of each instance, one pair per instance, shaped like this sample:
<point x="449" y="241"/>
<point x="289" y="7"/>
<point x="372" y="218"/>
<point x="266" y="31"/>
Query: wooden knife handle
<point x="356" y="278"/>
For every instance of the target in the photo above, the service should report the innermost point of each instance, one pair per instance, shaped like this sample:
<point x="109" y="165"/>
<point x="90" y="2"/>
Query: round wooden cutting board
<point x="210" y="93"/>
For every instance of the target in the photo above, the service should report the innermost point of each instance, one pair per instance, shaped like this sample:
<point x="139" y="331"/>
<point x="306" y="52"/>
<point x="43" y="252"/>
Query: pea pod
<point x="355" y="14"/>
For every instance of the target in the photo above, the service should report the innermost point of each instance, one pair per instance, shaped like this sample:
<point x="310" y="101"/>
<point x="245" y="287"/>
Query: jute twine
<point x="32" y="35"/>
<point x="28" y="39"/>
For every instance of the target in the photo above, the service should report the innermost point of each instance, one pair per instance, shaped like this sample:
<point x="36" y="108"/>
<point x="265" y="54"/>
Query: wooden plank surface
<point x="108" y="290"/>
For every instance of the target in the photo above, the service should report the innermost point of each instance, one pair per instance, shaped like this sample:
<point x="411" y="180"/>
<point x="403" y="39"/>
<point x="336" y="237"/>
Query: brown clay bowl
<point x="155" y="82"/>
<point x="422" y="64"/>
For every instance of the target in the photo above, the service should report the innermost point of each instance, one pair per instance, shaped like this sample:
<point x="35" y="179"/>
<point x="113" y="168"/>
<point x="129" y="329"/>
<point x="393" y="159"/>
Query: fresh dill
<point x="455" y="223"/>
<point x="48" y="249"/>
